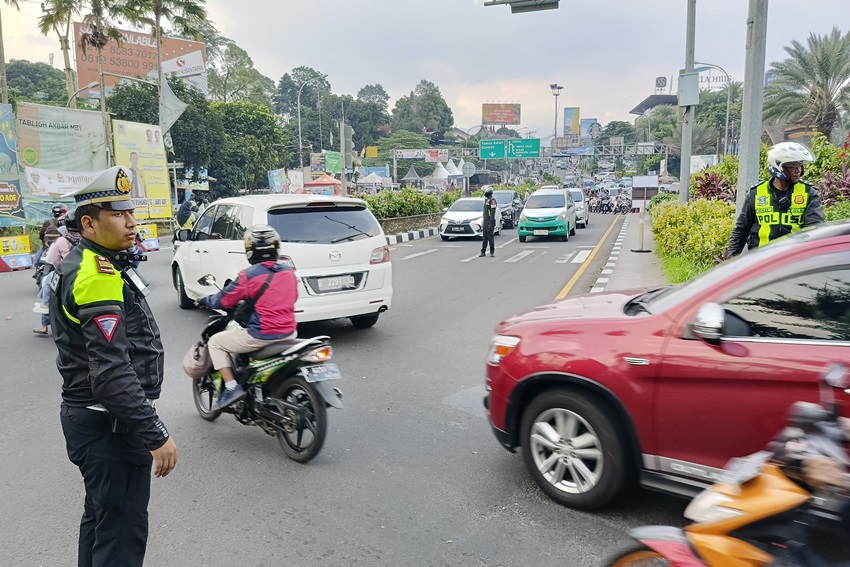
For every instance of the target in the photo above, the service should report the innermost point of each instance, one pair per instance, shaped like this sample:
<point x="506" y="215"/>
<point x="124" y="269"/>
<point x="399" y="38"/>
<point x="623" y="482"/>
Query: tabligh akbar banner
<point x="11" y="203"/>
<point x="139" y="148"/>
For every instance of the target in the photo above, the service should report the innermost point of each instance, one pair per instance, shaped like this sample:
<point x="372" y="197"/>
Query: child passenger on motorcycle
<point x="273" y="316"/>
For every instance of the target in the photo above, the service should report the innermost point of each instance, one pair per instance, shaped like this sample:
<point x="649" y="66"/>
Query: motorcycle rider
<point x="54" y="256"/>
<point x="491" y="209"/>
<point x="49" y="230"/>
<point x="779" y="206"/>
<point x="273" y="288"/>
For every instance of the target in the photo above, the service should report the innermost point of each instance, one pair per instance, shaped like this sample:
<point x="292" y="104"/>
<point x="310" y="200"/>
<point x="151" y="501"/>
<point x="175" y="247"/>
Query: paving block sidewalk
<point x="626" y="269"/>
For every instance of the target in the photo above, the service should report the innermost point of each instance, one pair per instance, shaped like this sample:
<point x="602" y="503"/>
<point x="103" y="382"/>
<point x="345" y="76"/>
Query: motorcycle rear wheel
<point x="206" y="397"/>
<point x="638" y="555"/>
<point x="302" y="439"/>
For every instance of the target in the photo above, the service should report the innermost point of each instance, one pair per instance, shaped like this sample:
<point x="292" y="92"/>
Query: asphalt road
<point x="410" y="474"/>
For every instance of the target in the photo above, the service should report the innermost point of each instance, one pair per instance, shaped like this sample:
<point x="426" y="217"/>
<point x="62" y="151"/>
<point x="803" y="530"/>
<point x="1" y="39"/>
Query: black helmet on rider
<point x="71" y="219"/>
<point x="488" y="191"/>
<point x="58" y="210"/>
<point x="262" y="244"/>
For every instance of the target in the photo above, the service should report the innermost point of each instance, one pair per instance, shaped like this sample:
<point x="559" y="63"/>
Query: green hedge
<point x="404" y="203"/>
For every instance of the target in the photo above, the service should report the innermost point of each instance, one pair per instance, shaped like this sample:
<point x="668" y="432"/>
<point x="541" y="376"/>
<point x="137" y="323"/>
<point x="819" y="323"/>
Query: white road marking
<point x="581" y="256"/>
<point x="506" y="243"/>
<point x="519" y="256"/>
<point x="420" y="254"/>
<point x="471" y="258"/>
<point x="565" y="258"/>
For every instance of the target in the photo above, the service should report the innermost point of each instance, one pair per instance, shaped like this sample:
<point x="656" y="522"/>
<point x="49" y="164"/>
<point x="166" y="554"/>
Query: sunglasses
<point x="793" y="166"/>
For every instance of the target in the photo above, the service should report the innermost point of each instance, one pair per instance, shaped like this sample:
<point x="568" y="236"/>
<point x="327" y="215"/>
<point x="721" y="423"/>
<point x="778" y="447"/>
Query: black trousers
<point x="116" y="470"/>
<point x="487" y="236"/>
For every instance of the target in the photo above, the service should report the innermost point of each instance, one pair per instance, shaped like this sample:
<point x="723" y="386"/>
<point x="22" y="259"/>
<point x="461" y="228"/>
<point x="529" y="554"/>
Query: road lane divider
<point x="506" y="243"/>
<point x="581" y="256"/>
<point x="518" y="257"/>
<point x="563" y="293"/>
<point x="420" y="254"/>
<point x="565" y="258"/>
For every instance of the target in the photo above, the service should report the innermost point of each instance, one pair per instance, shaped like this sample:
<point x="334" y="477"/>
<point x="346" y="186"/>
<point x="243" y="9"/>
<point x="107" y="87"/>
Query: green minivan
<point x="549" y="211"/>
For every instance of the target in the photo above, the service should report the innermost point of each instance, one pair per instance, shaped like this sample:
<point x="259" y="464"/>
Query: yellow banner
<point x="139" y="148"/>
<point x="371" y="151"/>
<point x="15" y="252"/>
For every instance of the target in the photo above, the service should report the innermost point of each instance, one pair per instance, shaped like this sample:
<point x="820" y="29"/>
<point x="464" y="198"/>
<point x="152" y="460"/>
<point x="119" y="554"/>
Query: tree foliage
<point x="234" y="78"/>
<point x="37" y="82"/>
<point x="423" y="110"/>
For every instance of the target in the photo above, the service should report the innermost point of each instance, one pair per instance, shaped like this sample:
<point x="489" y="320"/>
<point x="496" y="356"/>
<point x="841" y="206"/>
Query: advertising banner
<point x="296" y="181"/>
<point x="136" y="57"/>
<point x="572" y="123"/>
<point x="150" y="236"/>
<point x="60" y="140"/>
<point x="371" y="151"/>
<point x="584" y="128"/>
<point x="15" y="253"/>
<point x="500" y="113"/>
<point x="317" y="163"/>
<point x="53" y="183"/>
<point x="433" y="156"/>
<point x="333" y="162"/>
<point x="383" y="171"/>
<point x="139" y="148"/>
<point x="278" y="181"/>
<point x="11" y="203"/>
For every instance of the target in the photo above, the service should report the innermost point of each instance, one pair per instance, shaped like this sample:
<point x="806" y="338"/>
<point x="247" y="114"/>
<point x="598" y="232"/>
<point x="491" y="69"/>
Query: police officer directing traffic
<point x="491" y="209"/>
<point x="111" y="362"/>
<point x="780" y="206"/>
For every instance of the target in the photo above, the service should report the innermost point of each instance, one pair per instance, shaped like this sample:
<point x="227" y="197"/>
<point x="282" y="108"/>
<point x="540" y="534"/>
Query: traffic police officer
<point x="491" y="209"/>
<point x="780" y="206"/>
<point x="111" y="362"/>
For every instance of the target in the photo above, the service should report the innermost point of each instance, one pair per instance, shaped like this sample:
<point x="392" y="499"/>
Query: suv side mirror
<point x="183" y="234"/>
<point x="708" y="323"/>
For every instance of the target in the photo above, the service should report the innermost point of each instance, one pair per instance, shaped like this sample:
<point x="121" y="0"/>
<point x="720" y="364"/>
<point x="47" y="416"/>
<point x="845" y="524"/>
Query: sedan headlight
<point x="709" y="507"/>
<point x="500" y="347"/>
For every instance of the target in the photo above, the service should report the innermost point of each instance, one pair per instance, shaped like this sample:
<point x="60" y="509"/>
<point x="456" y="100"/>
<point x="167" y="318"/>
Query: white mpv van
<point x="336" y="245"/>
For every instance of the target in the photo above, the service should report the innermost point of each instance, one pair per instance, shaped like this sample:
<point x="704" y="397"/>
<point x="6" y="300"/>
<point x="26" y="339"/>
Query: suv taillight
<point x="380" y="255"/>
<point x="286" y="260"/>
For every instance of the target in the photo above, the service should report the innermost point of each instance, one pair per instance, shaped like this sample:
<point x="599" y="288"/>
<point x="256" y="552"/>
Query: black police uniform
<point x="491" y="209"/>
<point x="112" y="364"/>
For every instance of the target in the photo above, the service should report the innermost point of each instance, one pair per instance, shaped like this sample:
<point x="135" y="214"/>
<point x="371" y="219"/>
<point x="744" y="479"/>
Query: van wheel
<point x="573" y="231"/>
<point x="522" y="238"/>
<point x="183" y="300"/>
<point x="364" y="321"/>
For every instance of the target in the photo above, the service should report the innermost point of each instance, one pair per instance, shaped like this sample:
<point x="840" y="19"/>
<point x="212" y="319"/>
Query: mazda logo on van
<point x="334" y="256"/>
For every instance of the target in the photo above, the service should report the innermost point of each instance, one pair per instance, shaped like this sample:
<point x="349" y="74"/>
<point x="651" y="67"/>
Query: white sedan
<point x="466" y="218"/>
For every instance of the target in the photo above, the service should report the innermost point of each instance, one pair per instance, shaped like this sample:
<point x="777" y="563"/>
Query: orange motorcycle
<point x="763" y="510"/>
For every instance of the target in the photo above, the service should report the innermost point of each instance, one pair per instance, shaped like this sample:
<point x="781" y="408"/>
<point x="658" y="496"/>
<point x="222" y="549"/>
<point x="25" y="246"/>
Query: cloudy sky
<point x="606" y="53"/>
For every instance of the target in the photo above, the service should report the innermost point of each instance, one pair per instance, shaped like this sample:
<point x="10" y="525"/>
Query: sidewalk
<point x="626" y="269"/>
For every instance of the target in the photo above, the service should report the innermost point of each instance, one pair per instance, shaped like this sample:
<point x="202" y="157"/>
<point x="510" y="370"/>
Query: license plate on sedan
<point x="335" y="283"/>
<point x="541" y="232"/>
<point x="321" y="373"/>
<point x="457" y="229"/>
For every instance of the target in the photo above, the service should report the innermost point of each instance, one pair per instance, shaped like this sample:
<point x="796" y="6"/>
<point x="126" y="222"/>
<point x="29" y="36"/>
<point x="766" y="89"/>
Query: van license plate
<point x="335" y="283"/>
<point x="541" y="232"/>
<point x="321" y="373"/>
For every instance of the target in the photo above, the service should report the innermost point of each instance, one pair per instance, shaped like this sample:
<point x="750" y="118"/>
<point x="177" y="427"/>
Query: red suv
<point x="665" y="386"/>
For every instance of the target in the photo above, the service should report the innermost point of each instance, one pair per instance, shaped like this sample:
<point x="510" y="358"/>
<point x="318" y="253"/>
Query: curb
<point x="412" y="235"/>
<point x="605" y="275"/>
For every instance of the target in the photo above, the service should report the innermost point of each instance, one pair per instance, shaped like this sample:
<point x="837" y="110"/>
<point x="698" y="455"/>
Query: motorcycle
<point x="762" y="511"/>
<point x="606" y="207"/>
<point x="289" y="386"/>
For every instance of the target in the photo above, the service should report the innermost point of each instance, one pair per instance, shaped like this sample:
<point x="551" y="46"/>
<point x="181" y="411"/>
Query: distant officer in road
<point x="779" y="206"/>
<point x="491" y="209"/>
<point x="111" y="362"/>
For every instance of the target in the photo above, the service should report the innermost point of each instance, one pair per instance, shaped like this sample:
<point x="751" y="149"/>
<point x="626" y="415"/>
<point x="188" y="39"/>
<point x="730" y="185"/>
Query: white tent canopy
<point x="452" y="168"/>
<point x="440" y="172"/>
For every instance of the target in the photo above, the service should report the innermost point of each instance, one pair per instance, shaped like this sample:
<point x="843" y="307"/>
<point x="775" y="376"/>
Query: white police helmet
<point x="785" y="153"/>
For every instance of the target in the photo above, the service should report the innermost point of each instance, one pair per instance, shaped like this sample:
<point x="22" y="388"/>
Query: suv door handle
<point x="636" y="361"/>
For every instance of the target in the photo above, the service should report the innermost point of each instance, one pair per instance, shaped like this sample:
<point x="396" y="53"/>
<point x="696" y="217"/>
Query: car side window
<point x="814" y="305"/>
<point x="240" y="219"/>
<point x="222" y="224"/>
<point x="204" y="225"/>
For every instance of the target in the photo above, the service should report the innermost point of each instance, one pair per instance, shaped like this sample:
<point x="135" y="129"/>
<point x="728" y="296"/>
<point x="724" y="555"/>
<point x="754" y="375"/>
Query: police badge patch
<point x="761" y="201"/>
<point x="799" y="200"/>
<point x="122" y="182"/>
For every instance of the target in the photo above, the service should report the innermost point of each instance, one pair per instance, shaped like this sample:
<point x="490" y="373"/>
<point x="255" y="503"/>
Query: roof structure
<point x="652" y="101"/>
<point x="411" y="175"/>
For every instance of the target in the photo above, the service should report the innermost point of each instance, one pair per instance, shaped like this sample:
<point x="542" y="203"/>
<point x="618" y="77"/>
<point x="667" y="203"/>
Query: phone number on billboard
<point x="122" y="62"/>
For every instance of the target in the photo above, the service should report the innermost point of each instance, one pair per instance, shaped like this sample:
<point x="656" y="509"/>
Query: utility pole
<point x="690" y="111"/>
<point x="751" y="111"/>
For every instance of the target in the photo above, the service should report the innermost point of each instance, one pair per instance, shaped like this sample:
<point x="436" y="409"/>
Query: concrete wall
<point x="404" y="224"/>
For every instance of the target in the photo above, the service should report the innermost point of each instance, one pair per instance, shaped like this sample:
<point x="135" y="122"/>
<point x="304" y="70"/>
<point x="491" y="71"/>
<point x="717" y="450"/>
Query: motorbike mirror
<point x="708" y="323"/>
<point x="837" y="376"/>
<point x="208" y="279"/>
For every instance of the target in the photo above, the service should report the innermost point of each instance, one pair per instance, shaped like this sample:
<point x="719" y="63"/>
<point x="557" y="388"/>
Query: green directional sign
<point x="491" y="149"/>
<point x="524" y="148"/>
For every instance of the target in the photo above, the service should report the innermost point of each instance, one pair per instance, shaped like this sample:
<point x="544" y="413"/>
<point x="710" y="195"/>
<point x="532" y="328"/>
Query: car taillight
<point x="287" y="261"/>
<point x="501" y="347"/>
<point x="380" y="255"/>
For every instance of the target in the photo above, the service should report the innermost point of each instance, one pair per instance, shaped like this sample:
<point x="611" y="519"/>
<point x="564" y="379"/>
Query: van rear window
<point x="323" y="225"/>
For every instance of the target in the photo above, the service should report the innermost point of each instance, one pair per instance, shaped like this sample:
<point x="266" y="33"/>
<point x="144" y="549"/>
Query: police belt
<point x="99" y="407"/>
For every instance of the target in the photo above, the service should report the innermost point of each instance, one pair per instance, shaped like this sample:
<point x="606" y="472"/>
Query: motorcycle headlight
<point x="709" y="507"/>
<point x="321" y="354"/>
<point x="501" y="347"/>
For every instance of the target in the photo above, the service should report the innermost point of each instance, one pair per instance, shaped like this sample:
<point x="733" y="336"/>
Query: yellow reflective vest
<point x="768" y="217"/>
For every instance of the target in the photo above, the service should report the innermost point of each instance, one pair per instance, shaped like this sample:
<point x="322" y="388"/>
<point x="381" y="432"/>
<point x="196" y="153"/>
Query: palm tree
<point x="813" y="85"/>
<point x="3" y="87"/>
<point x="57" y="16"/>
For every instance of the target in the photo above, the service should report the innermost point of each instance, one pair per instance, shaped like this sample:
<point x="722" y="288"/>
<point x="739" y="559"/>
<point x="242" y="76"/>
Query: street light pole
<point x="88" y="86"/>
<point x="556" y="90"/>
<point x="690" y="111"/>
<point x="298" y="103"/>
<point x="728" y="101"/>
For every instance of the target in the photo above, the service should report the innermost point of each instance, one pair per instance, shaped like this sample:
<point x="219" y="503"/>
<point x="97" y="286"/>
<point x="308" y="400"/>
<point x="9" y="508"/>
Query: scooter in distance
<point x="289" y="385"/>
<point x="762" y="511"/>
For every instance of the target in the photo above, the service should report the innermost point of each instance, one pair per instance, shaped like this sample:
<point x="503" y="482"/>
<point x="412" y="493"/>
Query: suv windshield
<point x="324" y="224"/>
<point x="468" y="206"/>
<point x="546" y="201"/>
<point x="503" y="197"/>
<point x="577" y="196"/>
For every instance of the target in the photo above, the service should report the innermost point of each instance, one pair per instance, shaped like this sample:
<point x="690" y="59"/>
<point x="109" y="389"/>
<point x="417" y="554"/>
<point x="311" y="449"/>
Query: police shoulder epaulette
<point x="104" y="266"/>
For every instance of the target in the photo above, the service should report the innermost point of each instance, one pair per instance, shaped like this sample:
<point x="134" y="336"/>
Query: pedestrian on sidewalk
<point x="782" y="205"/>
<point x="491" y="209"/>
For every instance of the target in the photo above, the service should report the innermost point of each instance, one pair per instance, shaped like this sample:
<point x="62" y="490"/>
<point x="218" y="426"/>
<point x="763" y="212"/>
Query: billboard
<point x="60" y="142"/>
<point x="508" y="113"/>
<point x="584" y="127"/>
<point x="11" y="203"/>
<point x="571" y="121"/>
<point x="139" y="148"/>
<point x="278" y="181"/>
<point x="136" y="57"/>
